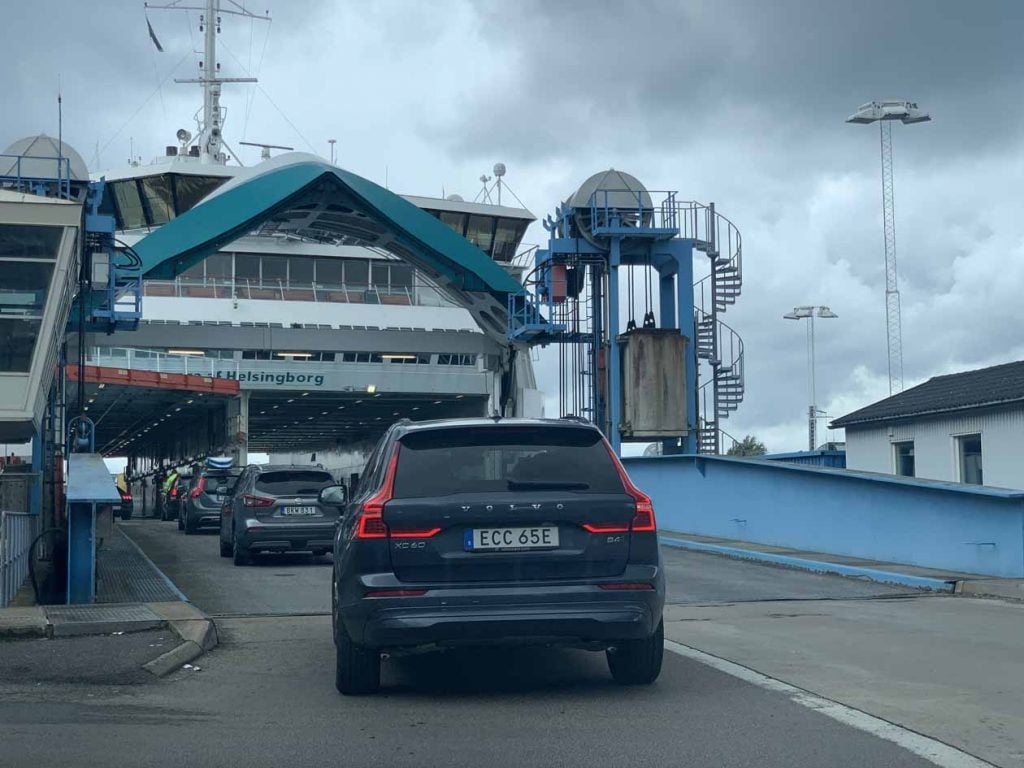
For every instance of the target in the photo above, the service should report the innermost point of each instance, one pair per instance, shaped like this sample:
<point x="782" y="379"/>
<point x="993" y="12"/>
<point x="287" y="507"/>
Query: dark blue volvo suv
<point x="490" y="531"/>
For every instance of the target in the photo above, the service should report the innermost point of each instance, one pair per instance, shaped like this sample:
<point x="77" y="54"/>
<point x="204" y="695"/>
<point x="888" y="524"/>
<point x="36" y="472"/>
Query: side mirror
<point x="333" y="495"/>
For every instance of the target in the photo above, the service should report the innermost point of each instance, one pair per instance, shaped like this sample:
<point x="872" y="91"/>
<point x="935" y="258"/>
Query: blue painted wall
<point x="933" y="524"/>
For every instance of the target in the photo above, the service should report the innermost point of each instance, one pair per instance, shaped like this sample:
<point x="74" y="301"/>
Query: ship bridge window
<point x="129" y="205"/>
<point x="159" y="197"/>
<point x="506" y="238"/>
<point x="189" y="190"/>
<point x="457" y="221"/>
<point x="480" y="232"/>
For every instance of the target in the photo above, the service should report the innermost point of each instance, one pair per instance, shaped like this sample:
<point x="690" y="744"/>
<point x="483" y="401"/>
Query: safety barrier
<point x="949" y="526"/>
<point x="17" y="531"/>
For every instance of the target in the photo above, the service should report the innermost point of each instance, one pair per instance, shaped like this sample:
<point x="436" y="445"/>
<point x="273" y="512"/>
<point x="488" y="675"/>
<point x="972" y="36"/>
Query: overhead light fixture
<point x="371" y="388"/>
<point x="189" y="402"/>
<point x="305" y="393"/>
<point x="398" y="356"/>
<point x="101" y="386"/>
<point x="294" y="354"/>
<point x="198" y="352"/>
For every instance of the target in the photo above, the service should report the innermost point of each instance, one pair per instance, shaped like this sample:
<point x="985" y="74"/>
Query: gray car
<point x="275" y="508"/>
<point x="201" y="505"/>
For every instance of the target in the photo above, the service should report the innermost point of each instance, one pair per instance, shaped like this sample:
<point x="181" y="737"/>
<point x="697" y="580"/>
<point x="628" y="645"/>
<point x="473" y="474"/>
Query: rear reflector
<point x="625" y="586"/>
<point x="256" y="501"/>
<point x="396" y="593"/>
<point x="424" y="533"/>
<point x="605" y="527"/>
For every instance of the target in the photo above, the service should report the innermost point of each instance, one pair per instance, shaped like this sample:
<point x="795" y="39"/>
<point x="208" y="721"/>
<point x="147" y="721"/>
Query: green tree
<point x="748" y="446"/>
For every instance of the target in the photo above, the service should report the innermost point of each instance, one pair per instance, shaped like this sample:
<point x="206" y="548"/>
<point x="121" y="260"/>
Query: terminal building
<point x="963" y="427"/>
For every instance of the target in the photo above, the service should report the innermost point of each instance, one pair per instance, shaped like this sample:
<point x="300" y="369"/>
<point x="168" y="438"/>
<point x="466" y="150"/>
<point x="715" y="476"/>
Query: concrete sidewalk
<point x="822" y="562"/>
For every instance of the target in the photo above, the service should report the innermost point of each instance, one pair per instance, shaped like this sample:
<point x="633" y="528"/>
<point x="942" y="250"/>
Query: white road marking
<point x="931" y="750"/>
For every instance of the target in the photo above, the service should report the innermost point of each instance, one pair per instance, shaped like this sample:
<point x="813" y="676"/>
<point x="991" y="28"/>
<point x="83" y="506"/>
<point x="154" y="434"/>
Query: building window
<point x="275" y="270"/>
<point x="300" y="271"/>
<point x="357" y="273"/>
<point x="969" y="457"/>
<point x="329" y="272"/>
<point x="904" y="456"/>
<point x="247" y="267"/>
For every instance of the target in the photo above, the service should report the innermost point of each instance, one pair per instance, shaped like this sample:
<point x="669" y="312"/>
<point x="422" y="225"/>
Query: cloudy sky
<point x="742" y="103"/>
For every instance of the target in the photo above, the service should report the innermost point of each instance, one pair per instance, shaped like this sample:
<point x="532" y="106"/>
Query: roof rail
<point x="574" y="417"/>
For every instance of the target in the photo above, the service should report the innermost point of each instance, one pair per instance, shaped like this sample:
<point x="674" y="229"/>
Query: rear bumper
<point x="288" y="538"/>
<point x="577" y="614"/>
<point x="202" y="518"/>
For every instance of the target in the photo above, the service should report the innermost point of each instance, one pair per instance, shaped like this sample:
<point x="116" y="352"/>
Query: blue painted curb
<point x="820" y="566"/>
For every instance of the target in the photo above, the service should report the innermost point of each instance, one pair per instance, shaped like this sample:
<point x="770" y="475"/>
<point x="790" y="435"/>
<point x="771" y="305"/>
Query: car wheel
<point x="190" y="527"/>
<point x="181" y="523"/>
<point x="126" y="514"/>
<point x="357" y="668"/>
<point x="638" y="662"/>
<point x="240" y="554"/>
<point x="225" y="548"/>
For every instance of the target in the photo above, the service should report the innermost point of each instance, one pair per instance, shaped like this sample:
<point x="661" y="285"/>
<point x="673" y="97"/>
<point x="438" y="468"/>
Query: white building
<point x="964" y="427"/>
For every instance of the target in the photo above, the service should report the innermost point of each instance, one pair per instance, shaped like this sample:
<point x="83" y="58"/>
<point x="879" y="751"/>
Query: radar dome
<point x="37" y="155"/>
<point x="608" y="190"/>
<point x="455" y="199"/>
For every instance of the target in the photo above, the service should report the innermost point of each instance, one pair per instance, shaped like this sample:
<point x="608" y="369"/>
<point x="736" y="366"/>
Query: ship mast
<point x="210" y="139"/>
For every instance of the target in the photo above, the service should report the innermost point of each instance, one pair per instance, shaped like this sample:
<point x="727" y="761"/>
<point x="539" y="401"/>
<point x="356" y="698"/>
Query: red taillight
<point x="174" y="492"/>
<point x="126" y="497"/>
<point x="629" y="585"/>
<point x="643" y="518"/>
<point x="396" y="593"/>
<point x="371" y="519"/>
<point x="199" y="488"/>
<point x="256" y="501"/>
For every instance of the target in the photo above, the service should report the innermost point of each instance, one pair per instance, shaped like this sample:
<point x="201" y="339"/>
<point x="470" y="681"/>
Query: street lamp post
<point x="884" y="113"/>
<point x="809" y="313"/>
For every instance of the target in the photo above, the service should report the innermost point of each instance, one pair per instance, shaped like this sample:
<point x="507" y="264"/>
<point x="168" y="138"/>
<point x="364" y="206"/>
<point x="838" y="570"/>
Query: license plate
<point x="535" y="537"/>
<point x="298" y="511"/>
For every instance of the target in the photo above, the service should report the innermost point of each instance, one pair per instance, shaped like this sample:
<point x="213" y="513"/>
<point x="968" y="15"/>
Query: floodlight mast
<point x="884" y="112"/>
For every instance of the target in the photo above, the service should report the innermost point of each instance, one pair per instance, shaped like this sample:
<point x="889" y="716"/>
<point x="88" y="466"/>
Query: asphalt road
<point x="265" y="696"/>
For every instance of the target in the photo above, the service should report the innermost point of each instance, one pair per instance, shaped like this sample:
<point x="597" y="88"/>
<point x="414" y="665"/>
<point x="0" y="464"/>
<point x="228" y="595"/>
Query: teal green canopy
<point x="318" y="202"/>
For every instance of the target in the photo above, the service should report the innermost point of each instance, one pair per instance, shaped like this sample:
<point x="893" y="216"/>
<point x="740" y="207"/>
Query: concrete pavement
<point x="266" y="696"/>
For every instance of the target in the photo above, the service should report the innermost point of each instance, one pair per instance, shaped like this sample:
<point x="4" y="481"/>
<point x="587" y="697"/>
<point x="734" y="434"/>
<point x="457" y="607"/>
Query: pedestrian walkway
<point x="125" y="575"/>
<point x="894" y="573"/>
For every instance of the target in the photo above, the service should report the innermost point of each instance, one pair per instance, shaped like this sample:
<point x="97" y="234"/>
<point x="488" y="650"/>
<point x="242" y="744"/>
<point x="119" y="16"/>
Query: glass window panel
<point x="457" y="221"/>
<point x="401" y="276"/>
<point x="23" y="287"/>
<point x="17" y="340"/>
<point x="195" y="272"/>
<point x="329" y="272"/>
<point x="380" y="274"/>
<point x="247" y="266"/>
<point x="192" y="189"/>
<point x="275" y="268"/>
<point x="356" y="272"/>
<point x="25" y="241"/>
<point x="218" y="266"/>
<point x="506" y="238"/>
<point x="300" y="270"/>
<point x="129" y="203"/>
<point x="159" y="197"/>
<point x="480" y="232"/>
<point x="970" y="460"/>
<point x="904" y="458"/>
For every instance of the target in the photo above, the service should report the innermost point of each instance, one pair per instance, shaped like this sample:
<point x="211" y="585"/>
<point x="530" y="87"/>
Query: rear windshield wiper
<point x="546" y="485"/>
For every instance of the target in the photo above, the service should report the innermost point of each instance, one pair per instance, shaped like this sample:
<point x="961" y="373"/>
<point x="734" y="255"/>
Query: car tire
<point x="126" y="514"/>
<point x="357" y="668"/>
<point x="638" y="662"/>
<point x="181" y="523"/>
<point x="240" y="554"/>
<point x="225" y="548"/>
<point x="190" y="527"/>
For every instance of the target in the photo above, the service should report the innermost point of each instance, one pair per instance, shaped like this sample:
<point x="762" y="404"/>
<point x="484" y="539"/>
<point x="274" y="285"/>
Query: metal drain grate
<point x="66" y="614"/>
<point x="125" y="575"/>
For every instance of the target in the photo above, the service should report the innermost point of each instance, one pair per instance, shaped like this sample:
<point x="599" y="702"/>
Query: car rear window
<point x="492" y="459"/>
<point x="215" y="480"/>
<point x="286" y="482"/>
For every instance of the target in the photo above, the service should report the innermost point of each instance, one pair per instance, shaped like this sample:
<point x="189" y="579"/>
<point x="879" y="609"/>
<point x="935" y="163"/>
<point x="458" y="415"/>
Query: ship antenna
<point x="210" y="138"/>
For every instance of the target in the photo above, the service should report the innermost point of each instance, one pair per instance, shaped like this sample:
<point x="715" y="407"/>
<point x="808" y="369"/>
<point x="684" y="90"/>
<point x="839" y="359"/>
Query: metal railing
<point x="419" y="294"/>
<point x="42" y="175"/>
<point x="17" y="532"/>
